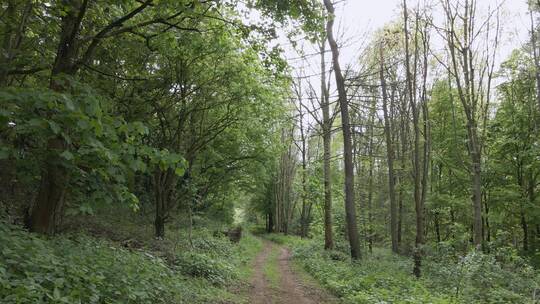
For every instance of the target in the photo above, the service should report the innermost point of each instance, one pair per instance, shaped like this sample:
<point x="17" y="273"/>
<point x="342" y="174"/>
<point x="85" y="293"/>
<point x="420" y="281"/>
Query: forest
<point x="269" y="151"/>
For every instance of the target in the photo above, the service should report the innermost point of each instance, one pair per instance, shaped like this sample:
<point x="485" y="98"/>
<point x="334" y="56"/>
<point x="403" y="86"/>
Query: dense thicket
<point x="172" y="103"/>
<point x="121" y="118"/>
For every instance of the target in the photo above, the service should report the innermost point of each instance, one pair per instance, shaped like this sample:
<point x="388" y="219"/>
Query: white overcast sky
<point x="361" y="16"/>
<point x="358" y="19"/>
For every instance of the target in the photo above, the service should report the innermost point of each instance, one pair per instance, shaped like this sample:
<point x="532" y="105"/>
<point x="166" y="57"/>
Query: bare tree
<point x="327" y="142"/>
<point x="420" y="154"/>
<point x="305" y="212"/>
<point x="389" y="154"/>
<point x="471" y="51"/>
<point x="284" y="202"/>
<point x="350" y="208"/>
<point x="534" y="47"/>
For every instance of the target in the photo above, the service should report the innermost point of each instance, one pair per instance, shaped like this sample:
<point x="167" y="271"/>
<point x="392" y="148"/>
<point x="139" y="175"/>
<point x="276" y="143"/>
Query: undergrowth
<point x="82" y="269"/>
<point x="383" y="277"/>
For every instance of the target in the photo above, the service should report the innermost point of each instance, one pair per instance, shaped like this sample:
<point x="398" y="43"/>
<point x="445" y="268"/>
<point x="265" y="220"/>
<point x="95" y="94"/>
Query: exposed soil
<point x="291" y="290"/>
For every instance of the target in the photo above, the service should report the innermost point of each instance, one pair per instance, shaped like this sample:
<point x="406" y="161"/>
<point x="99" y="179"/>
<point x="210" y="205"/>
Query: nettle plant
<point x="100" y="151"/>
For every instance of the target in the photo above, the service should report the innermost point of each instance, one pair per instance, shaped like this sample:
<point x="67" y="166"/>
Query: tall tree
<point x="326" y="126"/>
<point x="417" y="100"/>
<point x="536" y="56"/>
<point x="389" y="153"/>
<point x="471" y="46"/>
<point x="411" y="94"/>
<point x="305" y="211"/>
<point x="74" y="51"/>
<point x="350" y="207"/>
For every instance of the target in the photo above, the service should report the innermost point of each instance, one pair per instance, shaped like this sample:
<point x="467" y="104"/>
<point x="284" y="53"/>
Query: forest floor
<point x="277" y="281"/>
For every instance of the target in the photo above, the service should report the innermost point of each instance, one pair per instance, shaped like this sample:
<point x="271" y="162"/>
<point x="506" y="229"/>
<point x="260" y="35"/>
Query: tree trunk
<point x="437" y="227"/>
<point x="50" y="199"/>
<point x="55" y="177"/>
<point x="487" y="228"/>
<point x="536" y="60"/>
<point x="532" y="197"/>
<point x="390" y="158"/>
<point x="525" y="228"/>
<point x="327" y="142"/>
<point x="164" y="187"/>
<point x="462" y="54"/>
<point x="370" y="189"/>
<point x="304" y="215"/>
<point x="159" y="223"/>
<point x="270" y="222"/>
<point x="402" y="156"/>
<point x="417" y="171"/>
<point x="350" y="208"/>
<point x="159" y="219"/>
<point x="477" y="191"/>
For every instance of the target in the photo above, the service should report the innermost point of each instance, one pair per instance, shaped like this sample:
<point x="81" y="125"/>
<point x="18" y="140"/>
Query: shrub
<point x="219" y="247"/>
<point x="84" y="270"/>
<point x="202" y="265"/>
<point x="383" y="277"/>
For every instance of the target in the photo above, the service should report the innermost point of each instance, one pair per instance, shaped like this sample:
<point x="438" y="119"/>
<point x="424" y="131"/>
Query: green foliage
<point x="82" y="270"/>
<point x="209" y="100"/>
<point x="101" y="150"/>
<point x="85" y="270"/>
<point x="382" y="277"/>
<point x="201" y="265"/>
<point x="500" y="277"/>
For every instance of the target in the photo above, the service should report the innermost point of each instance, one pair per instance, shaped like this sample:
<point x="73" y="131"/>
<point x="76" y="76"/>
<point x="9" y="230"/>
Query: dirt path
<point x="275" y="282"/>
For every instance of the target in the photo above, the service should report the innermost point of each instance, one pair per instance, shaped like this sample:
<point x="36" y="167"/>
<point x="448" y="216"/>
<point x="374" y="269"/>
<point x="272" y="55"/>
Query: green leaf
<point x="86" y="209"/>
<point x="55" y="128"/>
<point x="179" y="171"/>
<point x="56" y="294"/>
<point x="67" y="155"/>
<point x="69" y="104"/>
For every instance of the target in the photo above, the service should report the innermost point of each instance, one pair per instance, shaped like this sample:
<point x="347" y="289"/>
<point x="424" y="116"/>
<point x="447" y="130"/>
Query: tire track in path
<point x="291" y="289"/>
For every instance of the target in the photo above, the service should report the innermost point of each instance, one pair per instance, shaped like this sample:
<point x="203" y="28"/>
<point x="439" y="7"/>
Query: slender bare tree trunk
<point x="536" y="59"/>
<point x="402" y="155"/>
<point x="370" y="152"/>
<point x="468" y="67"/>
<point x="417" y="170"/>
<point x="525" y="228"/>
<point x="389" y="157"/>
<point x="350" y="208"/>
<point x="427" y="128"/>
<point x="305" y="209"/>
<point x="327" y="142"/>
<point x="304" y="214"/>
<point x="284" y="204"/>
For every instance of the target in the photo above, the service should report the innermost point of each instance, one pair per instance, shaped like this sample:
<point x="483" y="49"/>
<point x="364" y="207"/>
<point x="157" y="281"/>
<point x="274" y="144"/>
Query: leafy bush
<point x="219" y="247"/>
<point x="500" y="277"/>
<point x="84" y="270"/>
<point x="383" y="277"/>
<point x="201" y="265"/>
